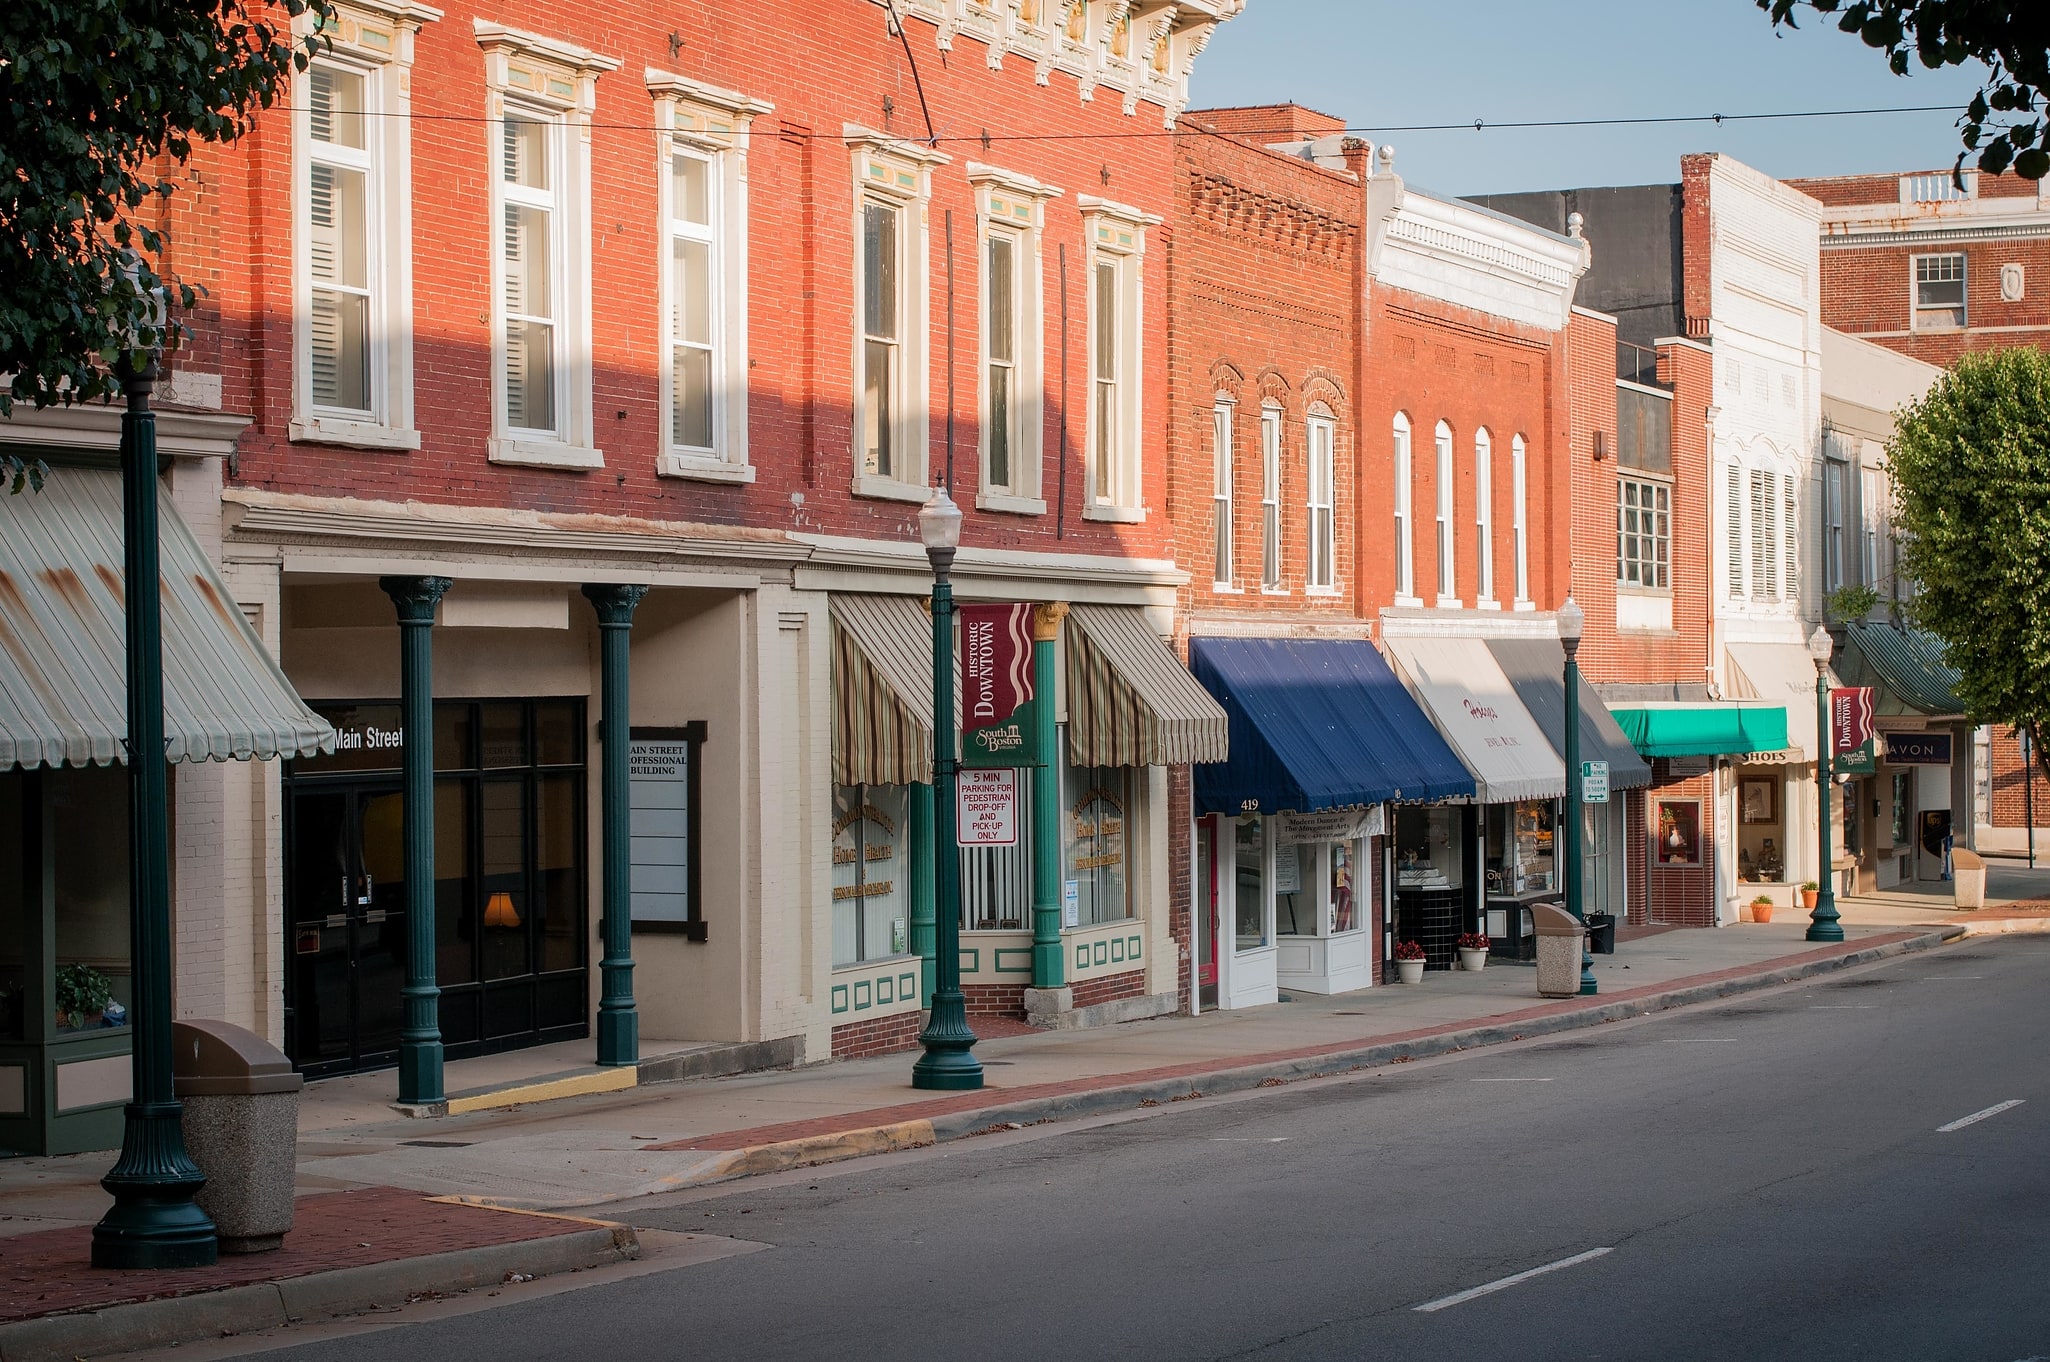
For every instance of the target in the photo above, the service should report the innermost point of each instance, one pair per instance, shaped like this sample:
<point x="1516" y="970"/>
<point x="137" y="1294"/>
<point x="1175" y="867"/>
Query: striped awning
<point x="882" y="690"/>
<point x="63" y="644"/>
<point x="1130" y="700"/>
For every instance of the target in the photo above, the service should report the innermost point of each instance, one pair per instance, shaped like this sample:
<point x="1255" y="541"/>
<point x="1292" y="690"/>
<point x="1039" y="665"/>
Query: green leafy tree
<point x="1971" y="475"/>
<point x="101" y="99"/>
<point x="2002" y="126"/>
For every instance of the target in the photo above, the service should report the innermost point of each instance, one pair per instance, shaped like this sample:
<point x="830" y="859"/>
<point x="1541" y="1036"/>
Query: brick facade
<point x="883" y="1036"/>
<point x="2012" y="787"/>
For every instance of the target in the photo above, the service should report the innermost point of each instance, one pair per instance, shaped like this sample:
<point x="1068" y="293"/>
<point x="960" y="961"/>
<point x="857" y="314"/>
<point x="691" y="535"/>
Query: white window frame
<point x="1484" y="519"/>
<point x="1733" y="532"/>
<point x="1653" y="538"/>
<point x="1116" y="235"/>
<point x="895" y="174"/>
<point x="375" y="41"/>
<point x="1916" y="309"/>
<point x="1448" y="539"/>
<point x="714" y="125"/>
<point x="1272" y="582"/>
<point x="1014" y="206"/>
<point x="1224" y="524"/>
<point x="1790" y="538"/>
<point x="1320" y="565"/>
<point x="554" y="82"/>
<point x="1405" y="511"/>
<point x="1519" y="517"/>
<point x="1836" y="477"/>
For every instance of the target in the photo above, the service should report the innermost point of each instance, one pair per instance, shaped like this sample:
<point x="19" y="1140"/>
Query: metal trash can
<point x="1558" y="951"/>
<point x="1601" y="933"/>
<point x="241" y="1103"/>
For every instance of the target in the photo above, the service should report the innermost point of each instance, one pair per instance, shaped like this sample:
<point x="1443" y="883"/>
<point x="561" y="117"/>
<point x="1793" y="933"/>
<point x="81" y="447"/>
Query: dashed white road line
<point x="1704" y="1040"/>
<point x="1472" y="1292"/>
<point x="1509" y="1080"/>
<point x="1961" y="1122"/>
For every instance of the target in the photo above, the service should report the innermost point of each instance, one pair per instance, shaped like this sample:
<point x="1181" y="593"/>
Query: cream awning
<point x="1130" y="700"/>
<point x="63" y="647"/>
<point x="1464" y="690"/>
<point x="882" y="690"/>
<point x="1780" y="674"/>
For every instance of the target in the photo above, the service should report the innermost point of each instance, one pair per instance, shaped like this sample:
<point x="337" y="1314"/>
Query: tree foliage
<point x="1971" y="474"/>
<point x="2003" y="125"/>
<point x="100" y="100"/>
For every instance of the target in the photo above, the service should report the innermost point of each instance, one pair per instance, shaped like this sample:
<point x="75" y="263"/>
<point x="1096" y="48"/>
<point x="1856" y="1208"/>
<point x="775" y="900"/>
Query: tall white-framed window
<point x="891" y="308"/>
<point x="1270" y="497"/>
<point x="1010" y="211"/>
<point x="1484" y="518"/>
<point x="1790" y="533"/>
<point x="1221" y="412"/>
<point x="702" y="137"/>
<point x="1448" y="577"/>
<point x="352" y="369"/>
<point x="1644" y="533"/>
<point x="1117" y="250"/>
<point x="1765" y="533"/>
<point x="1405" y="513"/>
<point x="1835" y="478"/>
<point x="1733" y="530"/>
<point x="1939" y="292"/>
<point x="1519" y="520"/>
<point x="1321" y="569"/>
<point x="540" y="94"/>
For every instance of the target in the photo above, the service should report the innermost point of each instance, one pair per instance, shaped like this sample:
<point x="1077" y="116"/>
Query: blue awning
<point x="1317" y="724"/>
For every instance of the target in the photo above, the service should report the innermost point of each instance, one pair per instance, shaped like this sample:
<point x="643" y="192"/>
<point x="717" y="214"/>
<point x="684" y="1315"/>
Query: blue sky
<point x="1383" y="63"/>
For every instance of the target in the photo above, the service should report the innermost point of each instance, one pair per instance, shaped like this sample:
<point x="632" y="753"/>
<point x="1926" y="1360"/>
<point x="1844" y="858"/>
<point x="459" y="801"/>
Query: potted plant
<point x="1761" y="908"/>
<point x="1810" y="891"/>
<point x="1473" y="951"/>
<point x="83" y="995"/>
<point x="1409" y="961"/>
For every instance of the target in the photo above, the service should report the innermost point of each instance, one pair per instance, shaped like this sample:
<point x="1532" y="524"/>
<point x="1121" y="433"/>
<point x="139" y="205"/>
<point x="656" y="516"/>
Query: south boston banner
<point x="997" y="703"/>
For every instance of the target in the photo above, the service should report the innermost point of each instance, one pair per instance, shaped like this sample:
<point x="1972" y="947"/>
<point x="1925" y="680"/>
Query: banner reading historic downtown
<point x="1851" y="742"/>
<point x="997" y="704"/>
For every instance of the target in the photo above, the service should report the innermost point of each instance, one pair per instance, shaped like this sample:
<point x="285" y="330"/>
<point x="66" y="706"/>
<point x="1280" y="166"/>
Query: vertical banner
<point x="996" y="687"/>
<point x="1851" y="744"/>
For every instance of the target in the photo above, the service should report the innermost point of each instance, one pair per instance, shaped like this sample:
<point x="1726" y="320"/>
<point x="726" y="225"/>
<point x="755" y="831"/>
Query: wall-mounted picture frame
<point x="1676" y="840"/>
<point x="1758" y="800"/>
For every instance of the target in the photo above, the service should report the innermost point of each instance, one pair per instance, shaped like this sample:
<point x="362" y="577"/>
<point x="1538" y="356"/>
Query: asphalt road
<point x="1764" y="1179"/>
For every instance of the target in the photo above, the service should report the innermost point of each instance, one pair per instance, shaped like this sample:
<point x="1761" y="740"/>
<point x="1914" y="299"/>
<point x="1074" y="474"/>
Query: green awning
<point x="1905" y="664"/>
<point x="1703" y="730"/>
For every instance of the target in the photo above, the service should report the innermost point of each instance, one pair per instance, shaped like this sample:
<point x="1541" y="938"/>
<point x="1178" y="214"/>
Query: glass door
<point x="1206" y="909"/>
<point x="347" y="936"/>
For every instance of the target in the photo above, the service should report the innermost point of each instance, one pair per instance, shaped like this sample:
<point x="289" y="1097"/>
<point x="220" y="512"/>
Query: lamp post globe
<point x="947" y="1061"/>
<point x="1823" y="923"/>
<point x="1572" y="622"/>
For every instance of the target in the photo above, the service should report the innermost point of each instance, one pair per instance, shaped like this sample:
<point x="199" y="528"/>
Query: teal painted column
<point x="619" y="1021"/>
<point x="920" y="876"/>
<point x="1049" y="969"/>
<point x="154" y="1221"/>
<point x="420" y="1050"/>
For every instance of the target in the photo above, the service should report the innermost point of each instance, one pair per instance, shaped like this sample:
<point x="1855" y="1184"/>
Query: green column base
<point x="619" y="1036"/>
<point x="420" y="1070"/>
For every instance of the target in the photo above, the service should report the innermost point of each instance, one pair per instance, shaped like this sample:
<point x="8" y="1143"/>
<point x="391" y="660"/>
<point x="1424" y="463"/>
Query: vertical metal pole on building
<point x="2029" y="791"/>
<point x="619" y="1022"/>
<point x="1048" y="967"/>
<point x="920" y="875"/>
<point x="154" y="1221"/>
<point x="420" y="1050"/>
<point x="948" y="1061"/>
<point x="1822" y="922"/>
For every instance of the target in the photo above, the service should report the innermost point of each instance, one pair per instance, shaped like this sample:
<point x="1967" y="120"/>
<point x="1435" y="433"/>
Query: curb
<point x="782" y="1155"/>
<point x="137" y="1325"/>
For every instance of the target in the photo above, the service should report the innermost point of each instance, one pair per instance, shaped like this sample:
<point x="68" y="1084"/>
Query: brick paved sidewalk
<point x="50" y="1272"/>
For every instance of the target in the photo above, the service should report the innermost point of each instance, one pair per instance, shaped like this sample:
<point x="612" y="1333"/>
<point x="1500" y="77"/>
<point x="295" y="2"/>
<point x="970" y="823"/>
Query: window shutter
<point x="1792" y="525"/>
<point x="1765" y="544"/>
<point x="1733" y="530"/>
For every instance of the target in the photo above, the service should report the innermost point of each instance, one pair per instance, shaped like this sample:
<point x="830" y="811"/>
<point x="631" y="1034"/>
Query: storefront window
<point x="1429" y="849"/>
<point x="1295" y="891"/>
<point x="89" y="814"/>
<point x="1596" y="890"/>
<point x="1520" y="848"/>
<point x="871" y="826"/>
<point x="1761" y="846"/>
<point x="996" y="882"/>
<point x="1344" y="901"/>
<point x="1251" y="883"/>
<point x="1096" y="844"/>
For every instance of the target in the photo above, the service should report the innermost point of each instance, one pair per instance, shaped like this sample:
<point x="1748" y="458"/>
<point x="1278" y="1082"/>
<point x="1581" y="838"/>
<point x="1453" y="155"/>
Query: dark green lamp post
<point x="154" y="1221"/>
<point x="1822" y="921"/>
<point x="619" y="1022"/>
<point x="1572" y="621"/>
<point x="948" y="1061"/>
<point x="420" y="1046"/>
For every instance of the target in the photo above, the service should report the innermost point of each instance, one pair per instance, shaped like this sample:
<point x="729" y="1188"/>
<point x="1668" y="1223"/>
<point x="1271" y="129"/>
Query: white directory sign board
<point x="987" y="807"/>
<point x="661" y="878"/>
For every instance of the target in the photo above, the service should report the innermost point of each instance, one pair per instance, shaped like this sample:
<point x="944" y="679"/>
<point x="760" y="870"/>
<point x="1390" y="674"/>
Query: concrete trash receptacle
<point x="1558" y="951"/>
<point x="1968" y="877"/>
<point x="241" y="1103"/>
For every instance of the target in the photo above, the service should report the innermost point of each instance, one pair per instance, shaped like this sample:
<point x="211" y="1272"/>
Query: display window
<point x="1096" y="845"/>
<point x="1250" y="885"/>
<point x="1761" y="836"/>
<point x="871" y="893"/>
<point x="1429" y="849"/>
<point x="1520" y="859"/>
<point x="1314" y="890"/>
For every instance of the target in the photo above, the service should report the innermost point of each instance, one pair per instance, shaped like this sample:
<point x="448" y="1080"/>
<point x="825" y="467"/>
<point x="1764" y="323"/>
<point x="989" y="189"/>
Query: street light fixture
<point x="1822" y="921"/>
<point x="1572" y="622"/>
<point x="947" y="1062"/>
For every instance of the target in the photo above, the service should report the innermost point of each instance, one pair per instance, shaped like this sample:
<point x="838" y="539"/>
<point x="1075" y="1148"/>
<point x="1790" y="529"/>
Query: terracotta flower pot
<point x="1808" y="897"/>
<point x="1761" y="912"/>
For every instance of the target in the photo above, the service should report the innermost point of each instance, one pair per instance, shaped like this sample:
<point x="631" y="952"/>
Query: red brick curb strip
<point x="795" y="1144"/>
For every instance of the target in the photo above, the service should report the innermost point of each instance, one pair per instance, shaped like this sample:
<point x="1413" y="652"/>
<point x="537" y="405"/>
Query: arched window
<point x="1519" y="484"/>
<point x="1484" y="513"/>
<point x="1221" y="503"/>
<point x="1448" y="582"/>
<point x="1270" y="496"/>
<point x="1321" y="570"/>
<point x="1405" y="515"/>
